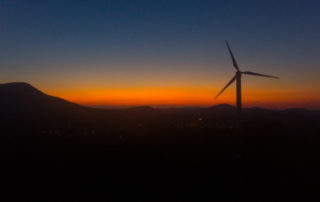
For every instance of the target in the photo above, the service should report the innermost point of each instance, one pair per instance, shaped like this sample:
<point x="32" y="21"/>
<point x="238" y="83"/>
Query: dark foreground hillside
<point x="53" y="150"/>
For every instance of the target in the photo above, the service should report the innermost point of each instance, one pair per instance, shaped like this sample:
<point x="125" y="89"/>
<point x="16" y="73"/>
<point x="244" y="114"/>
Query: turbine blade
<point x="232" y="57"/>
<point x="230" y="82"/>
<point x="256" y="74"/>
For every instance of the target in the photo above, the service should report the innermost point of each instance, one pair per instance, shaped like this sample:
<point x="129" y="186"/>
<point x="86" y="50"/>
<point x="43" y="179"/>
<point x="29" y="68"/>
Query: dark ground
<point x="53" y="150"/>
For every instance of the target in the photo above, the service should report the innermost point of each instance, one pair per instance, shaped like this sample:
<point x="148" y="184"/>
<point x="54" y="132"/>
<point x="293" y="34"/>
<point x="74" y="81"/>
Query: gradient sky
<point x="163" y="53"/>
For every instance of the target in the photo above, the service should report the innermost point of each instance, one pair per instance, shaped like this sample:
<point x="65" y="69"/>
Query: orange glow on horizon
<point x="171" y="97"/>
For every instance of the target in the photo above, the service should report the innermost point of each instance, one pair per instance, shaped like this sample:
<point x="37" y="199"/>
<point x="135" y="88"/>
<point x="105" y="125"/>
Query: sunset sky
<point x="165" y="53"/>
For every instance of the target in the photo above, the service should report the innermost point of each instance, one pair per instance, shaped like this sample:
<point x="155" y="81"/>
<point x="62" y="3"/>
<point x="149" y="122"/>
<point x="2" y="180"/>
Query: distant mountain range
<point x="23" y="103"/>
<point x="23" y="96"/>
<point x="26" y="110"/>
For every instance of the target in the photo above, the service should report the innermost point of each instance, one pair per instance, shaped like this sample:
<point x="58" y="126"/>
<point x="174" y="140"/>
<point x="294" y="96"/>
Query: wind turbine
<point x="237" y="78"/>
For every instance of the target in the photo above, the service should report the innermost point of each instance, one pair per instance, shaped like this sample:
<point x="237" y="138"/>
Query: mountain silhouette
<point x="24" y="106"/>
<point x="142" y="108"/>
<point x="222" y="107"/>
<point x="22" y="97"/>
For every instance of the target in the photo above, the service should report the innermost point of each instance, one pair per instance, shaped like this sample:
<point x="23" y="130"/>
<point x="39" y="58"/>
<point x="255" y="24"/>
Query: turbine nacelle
<point x="238" y="74"/>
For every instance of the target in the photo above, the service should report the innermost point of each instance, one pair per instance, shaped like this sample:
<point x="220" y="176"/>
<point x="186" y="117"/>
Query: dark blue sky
<point x="140" y="42"/>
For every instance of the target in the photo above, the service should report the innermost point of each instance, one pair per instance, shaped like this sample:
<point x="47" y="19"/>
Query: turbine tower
<point x="237" y="78"/>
